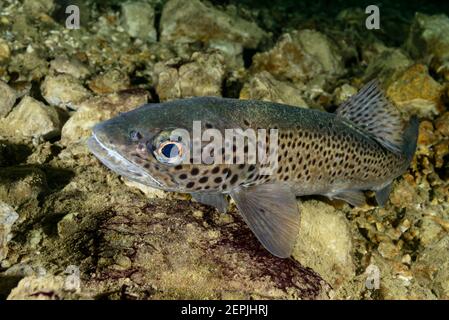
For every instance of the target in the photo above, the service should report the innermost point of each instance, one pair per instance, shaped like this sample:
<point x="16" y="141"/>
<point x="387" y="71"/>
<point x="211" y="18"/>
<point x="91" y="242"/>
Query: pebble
<point x="8" y="97"/>
<point x="138" y="20"/>
<point x="64" y="90"/>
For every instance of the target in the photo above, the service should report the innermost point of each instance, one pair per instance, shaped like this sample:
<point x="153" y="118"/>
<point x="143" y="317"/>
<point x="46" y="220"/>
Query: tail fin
<point x="410" y="138"/>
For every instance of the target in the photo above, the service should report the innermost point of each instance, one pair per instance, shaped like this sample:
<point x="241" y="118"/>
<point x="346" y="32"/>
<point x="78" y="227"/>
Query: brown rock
<point x="442" y="124"/>
<point x="300" y="57"/>
<point x="263" y="86"/>
<point x="8" y="97"/>
<point x="109" y="82"/>
<point x="31" y="118"/>
<point x="98" y="109"/>
<point x="202" y="76"/>
<point x="180" y="23"/>
<point x="64" y="90"/>
<point x="428" y="39"/>
<point x="414" y="91"/>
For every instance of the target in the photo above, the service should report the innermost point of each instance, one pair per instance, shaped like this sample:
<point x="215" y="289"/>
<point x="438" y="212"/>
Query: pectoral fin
<point x="353" y="197"/>
<point x="272" y="213"/>
<point x="216" y="200"/>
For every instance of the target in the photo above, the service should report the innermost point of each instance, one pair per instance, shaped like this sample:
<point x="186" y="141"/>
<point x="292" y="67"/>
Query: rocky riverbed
<point x="72" y="229"/>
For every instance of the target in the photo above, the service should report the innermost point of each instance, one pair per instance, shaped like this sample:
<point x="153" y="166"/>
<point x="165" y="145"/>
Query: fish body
<point x="339" y="155"/>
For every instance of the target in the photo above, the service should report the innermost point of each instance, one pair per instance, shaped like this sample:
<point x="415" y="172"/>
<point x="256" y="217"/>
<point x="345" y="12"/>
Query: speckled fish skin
<point x="339" y="155"/>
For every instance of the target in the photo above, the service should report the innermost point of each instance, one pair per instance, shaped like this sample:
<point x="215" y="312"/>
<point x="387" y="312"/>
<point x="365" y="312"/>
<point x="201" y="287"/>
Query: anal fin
<point x="383" y="194"/>
<point x="271" y="212"/>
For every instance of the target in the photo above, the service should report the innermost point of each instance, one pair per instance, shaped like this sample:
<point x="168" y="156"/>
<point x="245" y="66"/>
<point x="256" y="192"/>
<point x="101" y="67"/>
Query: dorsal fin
<point x="371" y="111"/>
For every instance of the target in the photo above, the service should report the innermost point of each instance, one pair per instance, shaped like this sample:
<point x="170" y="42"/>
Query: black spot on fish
<point x="194" y="171"/>
<point x="203" y="179"/>
<point x="190" y="184"/>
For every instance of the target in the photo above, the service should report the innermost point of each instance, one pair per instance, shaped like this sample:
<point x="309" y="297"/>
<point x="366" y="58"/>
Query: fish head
<point x="153" y="145"/>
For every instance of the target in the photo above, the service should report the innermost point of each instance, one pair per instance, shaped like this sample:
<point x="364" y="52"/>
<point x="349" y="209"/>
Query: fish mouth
<point x="119" y="164"/>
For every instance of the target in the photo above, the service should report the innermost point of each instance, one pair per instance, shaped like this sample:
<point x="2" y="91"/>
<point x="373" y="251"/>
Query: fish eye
<point x="135" y="135"/>
<point x="170" y="152"/>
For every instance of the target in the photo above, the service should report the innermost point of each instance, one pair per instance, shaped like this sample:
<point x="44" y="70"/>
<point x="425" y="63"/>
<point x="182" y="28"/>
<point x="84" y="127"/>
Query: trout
<point x="362" y="146"/>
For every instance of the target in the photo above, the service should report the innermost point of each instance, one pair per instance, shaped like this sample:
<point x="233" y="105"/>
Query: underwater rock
<point x="8" y="97"/>
<point x="168" y="246"/>
<point x="21" y="186"/>
<point x="202" y="76"/>
<point x="167" y="81"/>
<point x="301" y="56"/>
<point x="180" y="23"/>
<point x="5" y="51"/>
<point x="138" y="20"/>
<point x="29" y="65"/>
<point x="263" y="86"/>
<point x="149" y="192"/>
<point x="33" y="7"/>
<point x="442" y="124"/>
<point x="396" y="281"/>
<point x="98" y="109"/>
<point x="32" y="118"/>
<point x="109" y="82"/>
<point x="64" y="90"/>
<point x="325" y="242"/>
<point x="414" y="91"/>
<point x="386" y="63"/>
<point x="428" y="39"/>
<point x="70" y="66"/>
<point x="45" y="287"/>
<point x="432" y="268"/>
<point x="343" y="93"/>
<point x="7" y="218"/>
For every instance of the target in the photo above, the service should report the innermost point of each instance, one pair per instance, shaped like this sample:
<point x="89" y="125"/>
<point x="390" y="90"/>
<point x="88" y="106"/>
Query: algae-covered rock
<point x="301" y="56"/>
<point x="182" y="255"/>
<point x="325" y="243"/>
<point x="416" y="92"/>
<point x="386" y="63"/>
<point x="428" y="39"/>
<point x="29" y="65"/>
<point x="343" y="93"/>
<point x="263" y="86"/>
<point x="109" y="82"/>
<point x="138" y="20"/>
<point x="180" y="22"/>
